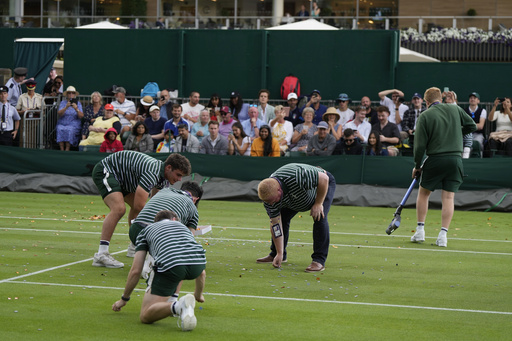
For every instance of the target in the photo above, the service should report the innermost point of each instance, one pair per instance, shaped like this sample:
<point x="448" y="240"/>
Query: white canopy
<point x="104" y="25"/>
<point x="310" y="24"/>
<point x="407" y="55"/>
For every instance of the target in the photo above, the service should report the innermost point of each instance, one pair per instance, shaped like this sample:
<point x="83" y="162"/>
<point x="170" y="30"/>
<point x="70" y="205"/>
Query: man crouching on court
<point x="294" y="188"/>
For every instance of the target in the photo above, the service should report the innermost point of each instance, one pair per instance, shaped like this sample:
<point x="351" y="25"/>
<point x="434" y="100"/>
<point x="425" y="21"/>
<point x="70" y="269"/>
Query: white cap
<point x="292" y="95"/>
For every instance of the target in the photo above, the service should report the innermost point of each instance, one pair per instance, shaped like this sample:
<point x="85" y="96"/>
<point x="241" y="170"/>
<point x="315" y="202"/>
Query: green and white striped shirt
<point x="170" y="199"/>
<point x="171" y="244"/>
<point x="131" y="169"/>
<point x="299" y="183"/>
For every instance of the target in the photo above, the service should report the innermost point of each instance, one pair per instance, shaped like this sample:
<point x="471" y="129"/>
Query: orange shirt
<point x="257" y="148"/>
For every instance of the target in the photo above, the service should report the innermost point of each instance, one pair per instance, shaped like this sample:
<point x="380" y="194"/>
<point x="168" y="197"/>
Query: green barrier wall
<point x="381" y="171"/>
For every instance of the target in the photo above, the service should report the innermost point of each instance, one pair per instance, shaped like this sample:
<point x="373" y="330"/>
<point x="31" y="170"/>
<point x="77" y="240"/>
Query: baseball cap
<point x="225" y="109"/>
<point x="109" y="107"/>
<point x="323" y="125"/>
<point x="119" y="89"/>
<point x="234" y="94"/>
<point x="292" y="95"/>
<point x="316" y="91"/>
<point x="154" y="107"/>
<point x="416" y="95"/>
<point x="3" y="88"/>
<point x="474" y="94"/>
<point x="343" y="97"/>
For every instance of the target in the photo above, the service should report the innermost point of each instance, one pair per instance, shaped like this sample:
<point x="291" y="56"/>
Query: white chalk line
<point x="284" y="299"/>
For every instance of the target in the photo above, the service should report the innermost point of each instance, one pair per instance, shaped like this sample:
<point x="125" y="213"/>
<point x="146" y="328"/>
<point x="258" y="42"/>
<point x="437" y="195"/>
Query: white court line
<point x="289" y="242"/>
<point x="287" y="299"/>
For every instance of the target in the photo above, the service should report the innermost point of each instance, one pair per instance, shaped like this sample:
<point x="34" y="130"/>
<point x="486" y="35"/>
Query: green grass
<point x="375" y="286"/>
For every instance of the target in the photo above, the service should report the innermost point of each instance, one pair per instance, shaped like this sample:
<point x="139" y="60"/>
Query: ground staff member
<point x="297" y="188"/>
<point x="438" y="134"/>
<point x="177" y="257"/>
<point x="129" y="177"/>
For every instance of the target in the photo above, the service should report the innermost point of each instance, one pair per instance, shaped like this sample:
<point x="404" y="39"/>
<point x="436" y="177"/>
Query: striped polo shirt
<point x="170" y="199"/>
<point x="171" y="244"/>
<point x="299" y="183"/>
<point x="131" y="169"/>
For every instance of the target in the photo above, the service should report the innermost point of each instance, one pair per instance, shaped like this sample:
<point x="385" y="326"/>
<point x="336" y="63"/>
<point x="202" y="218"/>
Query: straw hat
<point x="147" y="100"/>
<point x="331" y="111"/>
<point x="71" y="89"/>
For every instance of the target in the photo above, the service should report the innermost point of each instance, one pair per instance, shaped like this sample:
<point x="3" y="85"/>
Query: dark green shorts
<point x="105" y="181"/>
<point x="134" y="231"/>
<point x="165" y="283"/>
<point x="442" y="172"/>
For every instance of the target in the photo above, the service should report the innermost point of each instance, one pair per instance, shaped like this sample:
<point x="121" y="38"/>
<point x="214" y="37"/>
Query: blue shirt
<point x="247" y="125"/>
<point x="318" y="113"/>
<point x="199" y="127"/>
<point x="174" y="127"/>
<point x="155" y="127"/>
<point x="243" y="114"/>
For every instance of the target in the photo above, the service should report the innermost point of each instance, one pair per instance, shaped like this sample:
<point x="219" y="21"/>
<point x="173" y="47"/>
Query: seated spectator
<point x="350" y="145"/>
<point x="192" y="108"/>
<point x="410" y="117"/>
<point x="186" y="142"/>
<point x="139" y="140"/>
<point x="394" y="104"/>
<point x="175" y="120"/>
<point x="371" y="114"/>
<point x="200" y="128"/>
<point x="123" y="108"/>
<point x="253" y="124"/>
<point x="265" y="110"/>
<point x="265" y="144"/>
<point x="239" y="109"/>
<point x="323" y="143"/>
<point x="226" y="122"/>
<point x="501" y="138"/>
<point x="167" y="145"/>
<point x="239" y="142"/>
<point x="359" y="126"/>
<point x="214" y="105"/>
<point x="143" y="107"/>
<point x="92" y="111"/>
<point x="479" y="115"/>
<point x="100" y="126"/>
<point x="215" y="143"/>
<point x="332" y="118"/>
<point x="155" y="125"/>
<point x="314" y="103"/>
<point x="294" y="114"/>
<point x="389" y="135"/>
<point x="450" y="97"/>
<point x="165" y="103"/>
<point x="111" y="143"/>
<point x="282" y="130"/>
<point x="374" y="146"/>
<point x="69" y="123"/>
<point x="303" y="132"/>
<point x="346" y="114"/>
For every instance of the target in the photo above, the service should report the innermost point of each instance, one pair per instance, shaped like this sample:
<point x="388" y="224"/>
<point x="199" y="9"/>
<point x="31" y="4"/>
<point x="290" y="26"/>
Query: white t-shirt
<point x="364" y="129"/>
<point x="193" y="112"/>
<point x="503" y="122"/>
<point x="345" y="116"/>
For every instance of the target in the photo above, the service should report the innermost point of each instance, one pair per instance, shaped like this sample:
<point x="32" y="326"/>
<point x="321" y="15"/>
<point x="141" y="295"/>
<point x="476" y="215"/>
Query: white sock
<point x="443" y="231"/>
<point x="103" y="248"/>
<point x="465" y="153"/>
<point x="421" y="226"/>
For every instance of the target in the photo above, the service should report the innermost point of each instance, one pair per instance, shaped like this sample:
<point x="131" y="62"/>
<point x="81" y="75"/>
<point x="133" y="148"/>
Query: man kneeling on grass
<point x="177" y="257"/>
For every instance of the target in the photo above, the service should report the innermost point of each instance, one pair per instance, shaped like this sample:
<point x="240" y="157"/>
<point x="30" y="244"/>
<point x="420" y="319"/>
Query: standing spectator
<point x="315" y="11"/>
<point x="192" y="108"/>
<point x="265" y="110"/>
<point x="200" y="128"/>
<point x="55" y="90"/>
<point x="295" y="188"/>
<point x="69" y="123"/>
<point x="265" y="144"/>
<point x="253" y="124"/>
<point x="439" y="133"/>
<point x="160" y="23"/>
<point x="346" y="114"/>
<point x="478" y="114"/>
<point x="371" y="114"/>
<point x="215" y="143"/>
<point x="101" y="125"/>
<point x="303" y="12"/>
<point x="49" y="82"/>
<point x="129" y="177"/>
<point x="124" y="108"/>
<point x="389" y="135"/>
<point x="139" y="140"/>
<point x="394" y="104"/>
<point x="303" y="132"/>
<point x="410" y="118"/>
<point x="226" y="122"/>
<point x="359" y="126"/>
<point x="323" y="143"/>
<point x="294" y="114"/>
<point x="374" y="146"/>
<point x="239" y="142"/>
<point x="111" y="143"/>
<point x="167" y="145"/>
<point x="92" y="111"/>
<point x="179" y="257"/>
<point x="176" y="120"/>
<point x="501" y="138"/>
<point x="186" y="142"/>
<point x="332" y="118"/>
<point x="282" y="130"/>
<point x="239" y="109"/>
<point x="14" y="84"/>
<point x="155" y="125"/>
<point x="10" y="119"/>
<point x="314" y="103"/>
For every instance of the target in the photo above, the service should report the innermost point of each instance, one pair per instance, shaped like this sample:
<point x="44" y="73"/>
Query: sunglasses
<point x="253" y="105"/>
<point x="349" y="140"/>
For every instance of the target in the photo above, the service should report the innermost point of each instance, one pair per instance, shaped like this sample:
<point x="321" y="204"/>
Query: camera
<point x="162" y="98"/>
<point x="73" y="100"/>
<point x="501" y="99"/>
<point x="401" y="99"/>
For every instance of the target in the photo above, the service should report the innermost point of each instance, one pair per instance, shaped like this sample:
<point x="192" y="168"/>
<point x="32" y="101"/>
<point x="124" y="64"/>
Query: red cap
<point x="109" y="107"/>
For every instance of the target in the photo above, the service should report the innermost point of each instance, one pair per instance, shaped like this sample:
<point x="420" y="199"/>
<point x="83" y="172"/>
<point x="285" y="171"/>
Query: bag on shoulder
<point x="290" y="84"/>
<point x="150" y="89"/>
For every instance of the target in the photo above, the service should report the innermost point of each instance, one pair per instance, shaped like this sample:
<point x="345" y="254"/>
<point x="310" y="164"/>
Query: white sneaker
<point x="186" y="306"/>
<point x="148" y="267"/>
<point x="106" y="260"/>
<point x="418" y="237"/>
<point x="442" y="240"/>
<point x="131" y="251"/>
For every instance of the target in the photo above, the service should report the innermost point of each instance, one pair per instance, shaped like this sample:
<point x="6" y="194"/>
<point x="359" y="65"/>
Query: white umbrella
<point x="407" y="55"/>
<point x="310" y="24"/>
<point x="104" y="25"/>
